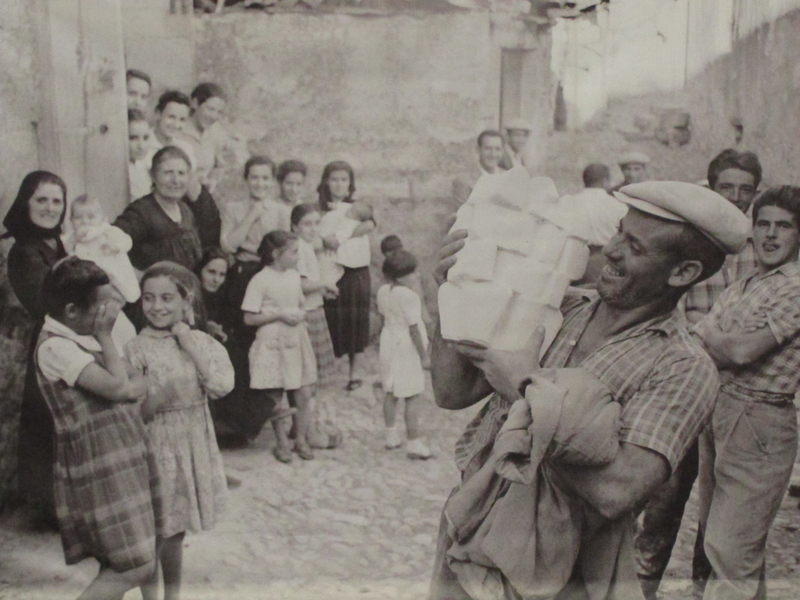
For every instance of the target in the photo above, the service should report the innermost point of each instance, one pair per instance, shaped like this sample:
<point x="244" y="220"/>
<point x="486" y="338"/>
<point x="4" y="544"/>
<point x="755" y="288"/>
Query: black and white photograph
<point x="399" y="299"/>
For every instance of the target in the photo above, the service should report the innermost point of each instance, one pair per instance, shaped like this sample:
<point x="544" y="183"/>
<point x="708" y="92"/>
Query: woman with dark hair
<point x="213" y="145"/>
<point x="348" y="313"/>
<point x="34" y="221"/>
<point x="161" y="224"/>
<point x="244" y="225"/>
<point x="291" y="178"/>
<point x="211" y="271"/>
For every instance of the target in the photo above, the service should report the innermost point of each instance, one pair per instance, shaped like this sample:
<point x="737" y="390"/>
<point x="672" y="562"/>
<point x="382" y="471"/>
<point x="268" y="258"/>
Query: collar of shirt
<point x="87" y="342"/>
<point x="667" y="324"/>
<point x="790" y="269"/>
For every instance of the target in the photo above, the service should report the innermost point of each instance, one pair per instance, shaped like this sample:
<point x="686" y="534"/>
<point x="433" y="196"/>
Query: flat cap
<point x="714" y="216"/>
<point x="634" y="156"/>
<point x="518" y="124"/>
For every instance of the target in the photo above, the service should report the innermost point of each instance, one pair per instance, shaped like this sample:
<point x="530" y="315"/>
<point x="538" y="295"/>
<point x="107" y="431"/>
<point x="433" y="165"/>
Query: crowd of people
<point x="184" y="323"/>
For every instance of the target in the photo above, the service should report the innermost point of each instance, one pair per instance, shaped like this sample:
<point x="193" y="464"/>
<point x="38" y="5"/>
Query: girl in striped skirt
<point x="305" y="223"/>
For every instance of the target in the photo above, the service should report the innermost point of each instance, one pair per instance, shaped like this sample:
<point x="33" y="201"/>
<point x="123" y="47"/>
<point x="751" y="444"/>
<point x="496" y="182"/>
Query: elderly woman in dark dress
<point x="34" y="221"/>
<point x="161" y="224"/>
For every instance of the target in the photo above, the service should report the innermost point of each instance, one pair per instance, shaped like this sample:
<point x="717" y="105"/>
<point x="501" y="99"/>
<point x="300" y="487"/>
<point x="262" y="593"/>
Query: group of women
<point x="163" y="226"/>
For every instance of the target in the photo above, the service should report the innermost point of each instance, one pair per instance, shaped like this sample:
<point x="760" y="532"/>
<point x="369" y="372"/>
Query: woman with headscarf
<point x="34" y="221"/>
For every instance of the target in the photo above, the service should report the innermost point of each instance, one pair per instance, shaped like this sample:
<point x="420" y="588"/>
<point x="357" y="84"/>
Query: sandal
<point x="304" y="452"/>
<point x="282" y="454"/>
<point x="353" y="384"/>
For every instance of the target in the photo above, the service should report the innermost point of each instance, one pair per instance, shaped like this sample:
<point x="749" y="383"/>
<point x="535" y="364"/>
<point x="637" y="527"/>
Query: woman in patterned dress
<point x="186" y="367"/>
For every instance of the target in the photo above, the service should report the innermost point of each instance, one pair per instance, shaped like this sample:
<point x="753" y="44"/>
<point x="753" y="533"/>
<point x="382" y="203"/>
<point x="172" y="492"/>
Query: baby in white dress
<point x="94" y="238"/>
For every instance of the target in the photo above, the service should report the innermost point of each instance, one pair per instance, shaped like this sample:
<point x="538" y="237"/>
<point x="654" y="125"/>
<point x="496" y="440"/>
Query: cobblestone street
<point x="356" y="523"/>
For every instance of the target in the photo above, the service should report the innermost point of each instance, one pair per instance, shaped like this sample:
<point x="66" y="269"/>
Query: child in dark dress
<point x="105" y="482"/>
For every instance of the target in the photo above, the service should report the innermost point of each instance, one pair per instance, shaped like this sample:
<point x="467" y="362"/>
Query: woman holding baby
<point x="344" y="228"/>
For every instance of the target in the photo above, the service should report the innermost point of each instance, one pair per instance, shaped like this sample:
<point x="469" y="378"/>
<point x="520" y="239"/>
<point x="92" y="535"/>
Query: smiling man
<point x="633" y="339"/>
<point x="753" y="335"/>
<point x="491" y="148"/>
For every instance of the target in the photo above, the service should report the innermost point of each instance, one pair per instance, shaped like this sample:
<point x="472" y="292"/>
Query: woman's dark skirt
<point x="348" y="314"/>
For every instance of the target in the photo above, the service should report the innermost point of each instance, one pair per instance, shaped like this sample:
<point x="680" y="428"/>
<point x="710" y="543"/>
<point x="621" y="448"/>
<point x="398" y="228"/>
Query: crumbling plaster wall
<point x="758" y="84"/>
<point x="19" y="98"/>
<point x="400" y="96"/>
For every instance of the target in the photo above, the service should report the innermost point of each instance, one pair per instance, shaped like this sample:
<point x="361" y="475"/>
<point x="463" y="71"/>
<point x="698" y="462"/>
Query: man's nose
<point x="611" y="249"/>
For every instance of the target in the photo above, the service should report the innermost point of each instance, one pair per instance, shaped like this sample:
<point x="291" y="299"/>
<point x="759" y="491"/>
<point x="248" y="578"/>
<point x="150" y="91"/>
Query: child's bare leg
<point x="171" y="565"/>
<point x="412" y="417"/>
<point x="112" y="585"/>
<point x="302" y="397"/>
<point x="389" y="409"/>
<point x="149" y="586"/>
<point x="281" y="437"/>
<point x="351" y="357"/>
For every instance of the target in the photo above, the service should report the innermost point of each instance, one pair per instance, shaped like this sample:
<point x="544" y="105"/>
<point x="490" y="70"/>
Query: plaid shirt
<point x="700" y="299"/>
<point x="664" y="381"/>
<point x="775" y="294"/>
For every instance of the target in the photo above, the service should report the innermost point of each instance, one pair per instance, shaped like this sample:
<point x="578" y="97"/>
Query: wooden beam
<point x="106" y="103"/>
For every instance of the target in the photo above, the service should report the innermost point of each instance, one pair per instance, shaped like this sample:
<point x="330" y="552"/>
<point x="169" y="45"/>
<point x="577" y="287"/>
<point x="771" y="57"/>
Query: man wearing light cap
<point x="631" y="337"/>
<point x="753" y="335"/>
<point x="634" y="167"/>
<point x="517" y="133"/>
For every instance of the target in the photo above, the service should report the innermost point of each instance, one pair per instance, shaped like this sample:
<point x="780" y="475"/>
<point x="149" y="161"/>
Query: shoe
<point x="304" y="452"/>
<point x="353" y="384"/>
<point x="418" y="450"/>
<point x="282" y="454"/>
<point x="393" y="438"/>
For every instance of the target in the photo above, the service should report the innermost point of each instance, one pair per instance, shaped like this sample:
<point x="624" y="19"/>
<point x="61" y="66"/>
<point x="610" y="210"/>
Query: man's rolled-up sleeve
<point x="672" y="406"/>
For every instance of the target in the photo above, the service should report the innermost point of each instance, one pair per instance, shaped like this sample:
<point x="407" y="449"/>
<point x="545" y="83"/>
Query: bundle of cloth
<point x="516" y="533"/>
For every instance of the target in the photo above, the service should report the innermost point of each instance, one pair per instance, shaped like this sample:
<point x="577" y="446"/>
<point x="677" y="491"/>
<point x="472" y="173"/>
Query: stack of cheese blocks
<point x="516" y="264"/>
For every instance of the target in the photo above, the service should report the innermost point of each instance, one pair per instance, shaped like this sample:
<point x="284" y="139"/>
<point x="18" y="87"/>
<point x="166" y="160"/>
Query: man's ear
<point x="685" y="273"/>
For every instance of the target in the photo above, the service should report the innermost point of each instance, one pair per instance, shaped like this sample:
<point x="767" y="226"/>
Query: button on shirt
<point x="775" y="294"/>
<point x="664" y="381"/>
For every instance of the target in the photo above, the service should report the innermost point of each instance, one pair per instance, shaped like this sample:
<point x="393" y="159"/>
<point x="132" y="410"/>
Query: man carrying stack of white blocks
<point x="516" y="264"/>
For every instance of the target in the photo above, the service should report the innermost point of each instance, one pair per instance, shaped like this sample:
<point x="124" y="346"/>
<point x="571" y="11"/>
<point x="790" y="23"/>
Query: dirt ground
<point x="358" y="522"/>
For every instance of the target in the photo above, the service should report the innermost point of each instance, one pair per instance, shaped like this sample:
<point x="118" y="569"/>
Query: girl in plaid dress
<point x="105" y="480"/>
<point x="185" y="367"/>
<point x="305" y="223"/>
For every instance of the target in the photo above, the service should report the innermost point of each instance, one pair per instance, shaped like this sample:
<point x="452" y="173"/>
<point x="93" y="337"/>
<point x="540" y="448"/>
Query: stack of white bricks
<point x="516" y="264"/>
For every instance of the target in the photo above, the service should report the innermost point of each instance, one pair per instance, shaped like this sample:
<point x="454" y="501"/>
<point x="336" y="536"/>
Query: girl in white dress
<point x="403" y="352"/>
<point x="281" y="357"/>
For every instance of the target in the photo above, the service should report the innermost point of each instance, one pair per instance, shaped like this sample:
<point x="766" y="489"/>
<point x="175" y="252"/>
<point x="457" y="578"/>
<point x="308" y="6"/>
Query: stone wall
<point x="756" y="85"/>
<point x="402" y="96"/>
